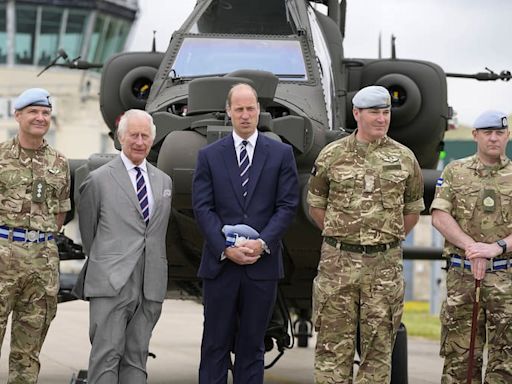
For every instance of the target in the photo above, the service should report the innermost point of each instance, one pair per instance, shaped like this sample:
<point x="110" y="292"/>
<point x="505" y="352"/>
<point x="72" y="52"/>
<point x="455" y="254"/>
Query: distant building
<point x="31" y="34"/>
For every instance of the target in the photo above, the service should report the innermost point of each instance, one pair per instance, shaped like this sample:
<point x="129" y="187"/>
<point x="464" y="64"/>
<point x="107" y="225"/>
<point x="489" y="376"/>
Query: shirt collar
<point x="16" y="147"/>
<point x="129" y="164"/>
<point x="251" y="139"/>
<point x="374" y="144"/>
<point x="478" y="165"/>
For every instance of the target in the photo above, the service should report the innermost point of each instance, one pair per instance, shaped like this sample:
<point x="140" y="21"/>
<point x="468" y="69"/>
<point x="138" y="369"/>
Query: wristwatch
<point x="503" y="245"/>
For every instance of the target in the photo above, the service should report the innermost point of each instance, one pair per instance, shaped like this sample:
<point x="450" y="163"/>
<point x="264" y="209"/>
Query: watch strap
<point x="503" y="245"/>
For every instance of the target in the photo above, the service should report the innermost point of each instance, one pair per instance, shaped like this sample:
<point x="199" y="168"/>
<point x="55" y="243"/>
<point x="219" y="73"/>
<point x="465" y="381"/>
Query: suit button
<point x="245" y="216"/>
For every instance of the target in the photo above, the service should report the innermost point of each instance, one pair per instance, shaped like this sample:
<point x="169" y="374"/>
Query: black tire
<point x="303" y="335"/>
<point x="129" y="87"/>
<point x="410" y="103"/>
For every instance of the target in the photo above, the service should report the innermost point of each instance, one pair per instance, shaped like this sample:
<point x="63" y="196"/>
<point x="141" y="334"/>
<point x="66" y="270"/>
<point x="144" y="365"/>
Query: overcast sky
<point x="460" y="35"/>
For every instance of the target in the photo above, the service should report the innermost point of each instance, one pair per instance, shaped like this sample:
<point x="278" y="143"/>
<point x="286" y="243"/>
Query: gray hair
<point x="123" y="122"/>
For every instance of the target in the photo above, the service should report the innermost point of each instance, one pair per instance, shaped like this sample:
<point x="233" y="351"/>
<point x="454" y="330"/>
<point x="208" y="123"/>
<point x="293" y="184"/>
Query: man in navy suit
<point x="240" y="282"/>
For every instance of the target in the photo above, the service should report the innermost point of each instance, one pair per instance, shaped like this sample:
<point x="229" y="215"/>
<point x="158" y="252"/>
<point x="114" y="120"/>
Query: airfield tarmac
<point x="176" y="342"/>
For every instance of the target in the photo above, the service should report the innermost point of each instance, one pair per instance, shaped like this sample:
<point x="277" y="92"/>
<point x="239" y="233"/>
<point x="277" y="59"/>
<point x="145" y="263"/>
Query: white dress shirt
<point x="130" y="167"/>
<point x="250" y="145"/>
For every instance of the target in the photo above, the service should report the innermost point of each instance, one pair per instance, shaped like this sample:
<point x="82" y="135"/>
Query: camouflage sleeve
<point x="413" y="195"/>
<point x="444" y="194"/>
<point x="63" y="197"/>
<point x="318" y="185"/>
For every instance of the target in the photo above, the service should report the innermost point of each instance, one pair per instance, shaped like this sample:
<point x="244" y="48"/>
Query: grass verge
<point x="419" y="322"/>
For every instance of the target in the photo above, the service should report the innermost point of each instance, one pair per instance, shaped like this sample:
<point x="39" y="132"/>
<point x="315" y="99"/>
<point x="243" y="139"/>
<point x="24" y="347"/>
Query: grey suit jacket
<point x="114" y="235"/>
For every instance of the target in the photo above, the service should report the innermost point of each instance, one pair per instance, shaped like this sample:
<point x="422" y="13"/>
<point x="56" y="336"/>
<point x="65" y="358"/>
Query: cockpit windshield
<point x="206" y="56"/>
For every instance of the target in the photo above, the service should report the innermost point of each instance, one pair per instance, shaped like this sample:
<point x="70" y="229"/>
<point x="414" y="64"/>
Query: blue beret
<point x="373" y="96"/>
<point x="491" y="120"/>
<point x="33" y="96"/>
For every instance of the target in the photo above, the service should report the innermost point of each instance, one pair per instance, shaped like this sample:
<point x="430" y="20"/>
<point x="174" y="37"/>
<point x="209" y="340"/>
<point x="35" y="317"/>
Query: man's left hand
<point x="483" y="250"/>
<point x="255" y="245"/>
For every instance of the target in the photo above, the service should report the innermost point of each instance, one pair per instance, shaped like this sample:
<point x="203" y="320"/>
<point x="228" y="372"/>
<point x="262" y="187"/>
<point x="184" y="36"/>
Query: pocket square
<point x="167" y="193"/>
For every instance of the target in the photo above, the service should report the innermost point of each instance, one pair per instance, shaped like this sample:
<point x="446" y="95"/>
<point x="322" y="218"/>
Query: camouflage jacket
<point x="478" y="197"/>
<point x="34" y="186"/>
<point x="366" y="189"/>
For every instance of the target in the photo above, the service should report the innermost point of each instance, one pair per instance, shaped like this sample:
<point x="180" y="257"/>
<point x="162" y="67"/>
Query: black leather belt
<point x="360" y="248"/>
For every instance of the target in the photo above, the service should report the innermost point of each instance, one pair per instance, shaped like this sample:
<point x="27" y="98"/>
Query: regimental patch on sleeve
<point x="313" y="170"/>
<point x="439" y="182"/>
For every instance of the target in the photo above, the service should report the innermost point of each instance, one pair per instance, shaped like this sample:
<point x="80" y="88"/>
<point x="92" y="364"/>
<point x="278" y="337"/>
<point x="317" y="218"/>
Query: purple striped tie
<point x="142" y="195"/>
<point x="244" y="168"/>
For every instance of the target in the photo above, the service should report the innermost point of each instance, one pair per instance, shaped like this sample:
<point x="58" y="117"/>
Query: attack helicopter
<point x="292" y="54"/>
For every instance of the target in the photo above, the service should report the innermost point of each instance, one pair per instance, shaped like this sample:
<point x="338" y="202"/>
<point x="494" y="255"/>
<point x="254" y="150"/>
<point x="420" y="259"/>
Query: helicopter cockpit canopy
<point x="210" y="56"/>
<point x="263" y="17"/>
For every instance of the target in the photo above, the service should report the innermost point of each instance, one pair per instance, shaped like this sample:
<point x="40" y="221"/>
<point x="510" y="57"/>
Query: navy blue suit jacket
<point x="269" y="207"/>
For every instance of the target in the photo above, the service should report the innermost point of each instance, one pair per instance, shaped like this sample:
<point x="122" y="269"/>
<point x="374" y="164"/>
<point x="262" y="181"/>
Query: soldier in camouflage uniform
<point x="365" y="193"/>
<point x="473" y="210"/>
<point x="34" y="196"/>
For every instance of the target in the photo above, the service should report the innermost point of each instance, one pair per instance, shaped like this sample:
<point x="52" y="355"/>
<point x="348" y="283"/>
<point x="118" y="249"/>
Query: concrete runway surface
<point x="176" y="342"/>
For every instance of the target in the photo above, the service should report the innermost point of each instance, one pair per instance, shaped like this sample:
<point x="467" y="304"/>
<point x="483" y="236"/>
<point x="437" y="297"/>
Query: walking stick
<point x="474" y="327"/>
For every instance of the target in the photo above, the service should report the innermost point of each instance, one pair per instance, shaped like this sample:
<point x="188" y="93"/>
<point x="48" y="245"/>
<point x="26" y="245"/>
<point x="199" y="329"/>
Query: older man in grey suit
<point x="124" y="210"/>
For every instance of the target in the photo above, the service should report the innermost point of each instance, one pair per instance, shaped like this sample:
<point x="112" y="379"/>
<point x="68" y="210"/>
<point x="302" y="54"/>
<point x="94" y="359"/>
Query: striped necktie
<point x="142" y="195"/>
<point x="244" y="167"/>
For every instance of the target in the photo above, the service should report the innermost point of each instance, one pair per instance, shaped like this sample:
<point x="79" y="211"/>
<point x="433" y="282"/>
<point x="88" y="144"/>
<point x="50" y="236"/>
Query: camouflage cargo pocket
<point x="342" y="189"/>
<point x="454" y="338"/>
<point x="465" y="200"/>
<point x="5" y="255"/>
<point x="392" y="186"/>
<point x="444" y="333"/>
<point x="390" y="285"/>
<point x="49" y="276"/>
<point x="13" y="185"/>
<point x="323" y="289"/>
<point x="456" y="313"/>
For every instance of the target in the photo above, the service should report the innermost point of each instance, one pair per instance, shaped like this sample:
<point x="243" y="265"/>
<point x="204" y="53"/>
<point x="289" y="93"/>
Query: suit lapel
<point x="120" y="175"/>
<point x="258" y="160"/>
<point x="231" y="164"/>
<point x="156" y="189"/>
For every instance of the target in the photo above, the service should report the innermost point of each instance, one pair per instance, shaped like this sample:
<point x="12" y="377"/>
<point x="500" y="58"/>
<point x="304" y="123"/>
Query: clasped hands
<point x="478" y="254"/>
<point x="244" y="252"/>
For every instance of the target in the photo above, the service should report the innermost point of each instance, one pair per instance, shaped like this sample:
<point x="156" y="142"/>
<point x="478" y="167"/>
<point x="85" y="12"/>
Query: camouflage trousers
<point x="494" y="327"/>
<point x="354" y="290"/>
<point x="28" y="288"/>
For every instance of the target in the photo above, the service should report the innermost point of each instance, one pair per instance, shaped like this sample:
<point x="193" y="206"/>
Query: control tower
<point x="31" y="34"/>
